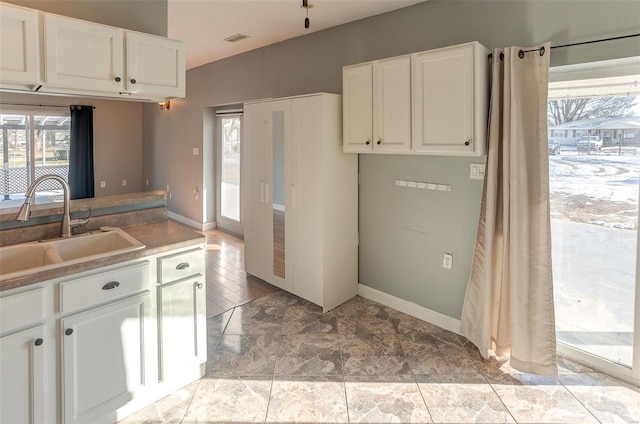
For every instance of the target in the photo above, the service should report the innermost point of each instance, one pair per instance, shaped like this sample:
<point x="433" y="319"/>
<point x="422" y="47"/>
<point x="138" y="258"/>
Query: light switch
<point x="476" y="171"/>
<point x="196" y="152"/>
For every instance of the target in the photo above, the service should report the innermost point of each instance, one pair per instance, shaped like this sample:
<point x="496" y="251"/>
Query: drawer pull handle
<point x="111" y="285"/>
<point x="197" y="285"/>
<point x="182" y="265"/>
<point x="68" y="331"/>
<point x="38" y="342"/>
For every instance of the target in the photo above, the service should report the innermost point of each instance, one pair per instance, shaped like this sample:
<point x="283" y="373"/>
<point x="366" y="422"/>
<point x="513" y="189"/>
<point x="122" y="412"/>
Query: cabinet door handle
<point x="182" y="265"/>
<point x="379" y="142"/>
<point x="261" y="191"/>
<point x="368" y="142"/>
<point x="38" y="342"/>
<point x="68" y="331"/>
<point x="133" y="81"/>
<point x="111" y="285"/>
<point x="466" y="143"/>
<point x="118" y="79"/>
<point x="197" y="285"/>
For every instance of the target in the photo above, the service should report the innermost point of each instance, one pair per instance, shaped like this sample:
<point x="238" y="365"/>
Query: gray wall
<point x="117" y="138"/>
<point x="403" y="232"/>
<point x="148" y="16"/>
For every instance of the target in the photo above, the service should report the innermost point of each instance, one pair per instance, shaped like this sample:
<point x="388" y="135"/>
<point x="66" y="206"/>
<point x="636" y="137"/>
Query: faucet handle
<point x="80" y="222"/>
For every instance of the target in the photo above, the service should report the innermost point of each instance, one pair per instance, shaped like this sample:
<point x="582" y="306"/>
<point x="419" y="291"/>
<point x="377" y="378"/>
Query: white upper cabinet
<point x="433" y="102"/>
<point x="392" y="105"/>
<point x="155" y="65"/>
<point x="53" y="54"/>
<point x="357" y="89"/>
<point x="377" y="106"/>
<point x="450" y="101"/>
<point x="19" y="55"/>
<point x="81" y="54"/>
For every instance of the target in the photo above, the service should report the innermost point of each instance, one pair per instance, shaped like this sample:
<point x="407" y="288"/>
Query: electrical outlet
<point x="103" y="184"/>
<point x="447" y="261"/>
<point x="146" y="182"/>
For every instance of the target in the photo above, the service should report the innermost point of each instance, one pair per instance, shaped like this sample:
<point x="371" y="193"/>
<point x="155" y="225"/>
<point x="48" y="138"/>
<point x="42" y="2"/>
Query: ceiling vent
<point x="236" y="37"/>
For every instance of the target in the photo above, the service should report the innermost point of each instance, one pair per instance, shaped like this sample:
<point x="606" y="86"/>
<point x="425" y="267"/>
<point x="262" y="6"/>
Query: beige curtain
<point x="508" y="307"/>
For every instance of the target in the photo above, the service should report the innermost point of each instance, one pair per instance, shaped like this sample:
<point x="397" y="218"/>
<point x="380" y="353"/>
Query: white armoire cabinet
<point x="301" y="198"/>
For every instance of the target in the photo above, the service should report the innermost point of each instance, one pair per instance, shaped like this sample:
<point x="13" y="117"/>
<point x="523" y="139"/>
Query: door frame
<point x="224" y="223"/>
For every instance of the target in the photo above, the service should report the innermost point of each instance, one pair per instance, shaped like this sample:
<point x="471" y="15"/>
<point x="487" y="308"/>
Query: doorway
<point x="229" y="165"/>
<point x="594" y="176"/>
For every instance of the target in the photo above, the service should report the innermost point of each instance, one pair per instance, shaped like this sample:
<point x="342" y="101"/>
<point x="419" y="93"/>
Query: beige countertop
<point x="157" y="238"/>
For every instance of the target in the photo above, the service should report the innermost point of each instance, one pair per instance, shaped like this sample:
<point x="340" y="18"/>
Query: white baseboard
<point x="410" y="308"/>
<point x="191" y="223"/>
<point x="209" y="226"/>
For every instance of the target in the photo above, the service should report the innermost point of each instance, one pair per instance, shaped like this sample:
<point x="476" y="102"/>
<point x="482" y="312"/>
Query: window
<point x="32" y="144"/>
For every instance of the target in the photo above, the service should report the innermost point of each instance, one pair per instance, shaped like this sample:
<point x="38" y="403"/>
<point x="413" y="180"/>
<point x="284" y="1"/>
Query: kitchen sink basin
<point x="23" y="259"/>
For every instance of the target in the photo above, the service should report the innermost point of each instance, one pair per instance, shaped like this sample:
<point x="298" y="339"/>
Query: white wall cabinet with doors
<point x="450" y="100"/>
<point x="377" y="106"/>
<point x="84" y="58"/>
<point x="433" y="102"/>
<point x="83" y="55"/>
<point x="19" y="54"/>
<point x="301" y="200"/>
<point x="24" y="348"/>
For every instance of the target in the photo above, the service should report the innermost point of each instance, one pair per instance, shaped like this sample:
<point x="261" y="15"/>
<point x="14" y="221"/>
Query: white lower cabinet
<point x="22" y="377"/>
<point x="95" y="347"/>
<point x="103" y="359"/>
<point x="182" y="304"/>
<point x="183" y="330"/>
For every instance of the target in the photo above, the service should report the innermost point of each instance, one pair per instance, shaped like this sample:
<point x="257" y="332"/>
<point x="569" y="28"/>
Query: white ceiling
<point x="204" y="24"/>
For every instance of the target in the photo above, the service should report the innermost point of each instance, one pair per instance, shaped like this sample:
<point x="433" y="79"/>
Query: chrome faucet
<point x="67" y="223"/>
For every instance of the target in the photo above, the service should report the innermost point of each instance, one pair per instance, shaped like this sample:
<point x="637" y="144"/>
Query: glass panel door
<point x="594" y="186"/>
<point x="229" y="163"/>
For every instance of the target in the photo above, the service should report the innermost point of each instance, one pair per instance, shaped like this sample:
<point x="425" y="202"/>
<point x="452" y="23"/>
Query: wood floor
<point x="228" y="285"/>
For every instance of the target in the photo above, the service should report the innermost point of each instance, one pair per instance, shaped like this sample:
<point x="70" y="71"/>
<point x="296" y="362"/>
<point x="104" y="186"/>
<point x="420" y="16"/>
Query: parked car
<point x="554" y="148"/>
<point x="591" y="143"/>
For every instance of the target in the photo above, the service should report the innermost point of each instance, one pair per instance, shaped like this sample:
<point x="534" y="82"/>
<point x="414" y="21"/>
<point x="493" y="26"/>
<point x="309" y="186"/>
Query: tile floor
<point x="278" y="359"/>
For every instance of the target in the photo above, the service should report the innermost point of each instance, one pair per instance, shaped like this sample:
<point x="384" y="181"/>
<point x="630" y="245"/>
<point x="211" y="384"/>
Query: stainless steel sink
<point x="26" y="258"/>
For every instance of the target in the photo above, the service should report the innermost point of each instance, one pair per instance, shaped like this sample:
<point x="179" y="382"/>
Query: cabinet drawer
<point x="180" y="265"/>
<point x="103" y="287"/>
<point x="21" y="309"/>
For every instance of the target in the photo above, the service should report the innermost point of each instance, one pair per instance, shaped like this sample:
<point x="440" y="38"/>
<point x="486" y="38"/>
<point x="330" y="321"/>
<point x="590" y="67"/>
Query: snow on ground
<point x="597" y="189"/>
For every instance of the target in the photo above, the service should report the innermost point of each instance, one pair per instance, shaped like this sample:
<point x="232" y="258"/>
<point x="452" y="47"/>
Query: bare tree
<point x="560" y="111"/>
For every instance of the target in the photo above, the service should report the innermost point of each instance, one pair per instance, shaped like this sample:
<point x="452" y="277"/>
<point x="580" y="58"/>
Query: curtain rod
<point x="542" y="49"/>
<point x="32" y="105"/>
